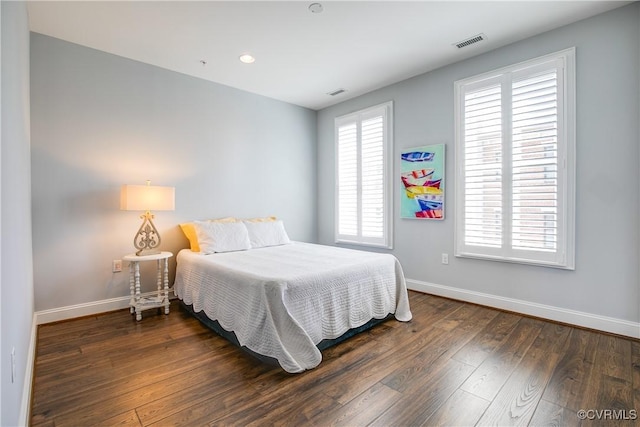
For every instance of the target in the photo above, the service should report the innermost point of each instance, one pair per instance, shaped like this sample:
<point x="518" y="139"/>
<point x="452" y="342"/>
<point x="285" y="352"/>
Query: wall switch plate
<point x="117" y="265"/>
<point x="445" y="258"/>
<point x="13" y="364"/>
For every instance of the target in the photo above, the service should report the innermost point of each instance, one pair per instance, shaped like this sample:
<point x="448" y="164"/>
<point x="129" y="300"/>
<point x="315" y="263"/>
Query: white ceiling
<point x="301" y="56"/>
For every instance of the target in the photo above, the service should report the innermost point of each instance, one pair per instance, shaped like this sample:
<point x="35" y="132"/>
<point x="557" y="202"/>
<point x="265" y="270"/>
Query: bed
<point x="283" y="301"/>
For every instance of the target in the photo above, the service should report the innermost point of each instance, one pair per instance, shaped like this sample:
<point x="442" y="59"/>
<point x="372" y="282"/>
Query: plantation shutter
<point x="483" y="167"/>
<point x="373" y="177"/>
<point x="516" y="163"/>
<point x="535" y="162"/>
<point x="363" y="176"/>
<point x="348" y="179"/>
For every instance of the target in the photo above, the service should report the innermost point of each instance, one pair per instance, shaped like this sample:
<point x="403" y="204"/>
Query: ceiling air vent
<point x="472" y="40"/>
<point x="337" y="92"/>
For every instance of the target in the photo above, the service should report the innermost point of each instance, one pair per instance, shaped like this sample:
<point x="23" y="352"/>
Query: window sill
<point x="524" y="261"/>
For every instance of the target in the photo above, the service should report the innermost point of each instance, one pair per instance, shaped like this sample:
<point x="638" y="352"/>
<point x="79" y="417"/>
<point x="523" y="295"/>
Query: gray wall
<point x="99" y="121"/>
<point x="16" y="281"/>
<point x="606" y="278"/>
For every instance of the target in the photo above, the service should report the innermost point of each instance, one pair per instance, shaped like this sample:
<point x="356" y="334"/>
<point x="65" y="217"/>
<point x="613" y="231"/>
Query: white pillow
<point x="268" y="233"/>
<point x="221" y="236"/>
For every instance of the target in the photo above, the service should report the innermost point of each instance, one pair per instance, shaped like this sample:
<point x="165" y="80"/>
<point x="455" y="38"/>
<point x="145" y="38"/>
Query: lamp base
<point x="147" y="239"/>
<point x="143" y="252"/>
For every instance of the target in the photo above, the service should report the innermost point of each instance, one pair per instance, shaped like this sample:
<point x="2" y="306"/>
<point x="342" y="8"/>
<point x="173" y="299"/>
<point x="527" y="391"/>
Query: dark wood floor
<point x="453" y="364"/>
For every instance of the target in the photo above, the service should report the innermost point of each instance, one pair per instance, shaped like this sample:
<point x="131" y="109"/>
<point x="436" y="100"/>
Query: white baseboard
<point x="25" y="404"/>
<point x="572" y="317"/>
<point x="87" y="309"/>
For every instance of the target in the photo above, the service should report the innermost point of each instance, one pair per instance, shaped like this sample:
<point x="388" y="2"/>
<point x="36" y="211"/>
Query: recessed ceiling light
<point x="316" y="8"/>
<point x="247" y="58"/>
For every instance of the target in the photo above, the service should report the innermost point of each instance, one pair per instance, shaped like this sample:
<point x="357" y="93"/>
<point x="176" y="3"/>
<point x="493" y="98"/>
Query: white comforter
<point x="281" y="301"/>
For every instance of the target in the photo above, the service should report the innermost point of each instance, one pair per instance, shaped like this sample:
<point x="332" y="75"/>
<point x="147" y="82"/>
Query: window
<point x="515" y="163"/>
<point x="363" y="176"/>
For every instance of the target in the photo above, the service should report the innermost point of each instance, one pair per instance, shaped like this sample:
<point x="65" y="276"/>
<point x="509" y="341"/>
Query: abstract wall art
<point x="422" y="177"/>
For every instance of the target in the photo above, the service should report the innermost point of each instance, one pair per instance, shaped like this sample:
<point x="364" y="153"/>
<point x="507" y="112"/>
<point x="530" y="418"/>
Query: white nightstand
<point x="161" y="299"/>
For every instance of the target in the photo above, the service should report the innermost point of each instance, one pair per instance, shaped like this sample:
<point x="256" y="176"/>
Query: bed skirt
<point x="231" y="337"/>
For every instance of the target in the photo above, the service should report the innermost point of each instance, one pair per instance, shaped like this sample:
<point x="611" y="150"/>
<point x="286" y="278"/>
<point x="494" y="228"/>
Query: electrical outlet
<point x="445" y="258"/>
<point x="117" y="265"/>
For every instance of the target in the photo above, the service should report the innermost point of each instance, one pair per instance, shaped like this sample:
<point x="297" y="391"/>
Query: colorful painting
<point x="422" y="176"/>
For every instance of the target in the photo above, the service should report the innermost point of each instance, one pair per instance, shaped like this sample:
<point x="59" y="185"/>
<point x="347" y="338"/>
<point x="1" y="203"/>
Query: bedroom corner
<point x="100" y="121"/>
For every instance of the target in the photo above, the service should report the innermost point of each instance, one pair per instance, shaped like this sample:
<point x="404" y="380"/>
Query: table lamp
<point x="147" y="198"/>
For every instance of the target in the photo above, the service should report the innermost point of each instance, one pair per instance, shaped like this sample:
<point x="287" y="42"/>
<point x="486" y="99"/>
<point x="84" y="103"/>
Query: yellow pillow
<point x="265" y="219"/>
<point x="190" y="232"/>
<point x="225" y="219"/>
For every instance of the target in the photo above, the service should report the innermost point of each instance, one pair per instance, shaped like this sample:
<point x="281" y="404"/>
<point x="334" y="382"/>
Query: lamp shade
<point x="147" y="198"/>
